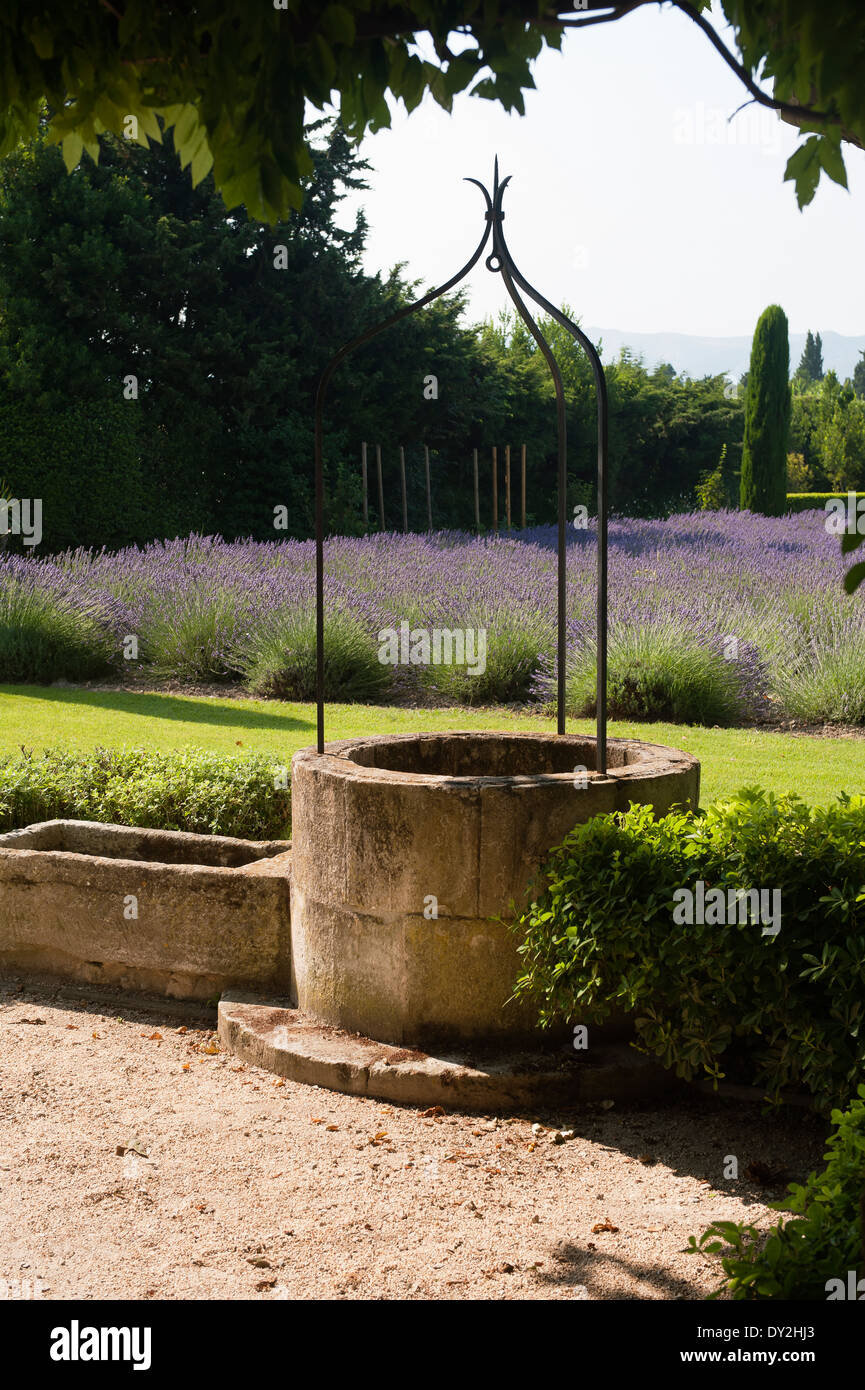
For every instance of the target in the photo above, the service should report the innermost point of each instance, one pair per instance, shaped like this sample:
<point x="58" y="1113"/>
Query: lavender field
<point x="715" y="617"/>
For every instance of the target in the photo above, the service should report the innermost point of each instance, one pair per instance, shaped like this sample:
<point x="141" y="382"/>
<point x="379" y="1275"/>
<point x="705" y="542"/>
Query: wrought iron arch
<point x="499" y="261"/>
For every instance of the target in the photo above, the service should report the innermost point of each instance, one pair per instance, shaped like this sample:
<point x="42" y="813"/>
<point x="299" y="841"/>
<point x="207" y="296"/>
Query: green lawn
<point x="40" y="717"/>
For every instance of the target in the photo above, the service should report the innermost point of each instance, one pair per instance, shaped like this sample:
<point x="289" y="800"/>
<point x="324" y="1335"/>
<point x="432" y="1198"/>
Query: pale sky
<point x="632" y="199"/>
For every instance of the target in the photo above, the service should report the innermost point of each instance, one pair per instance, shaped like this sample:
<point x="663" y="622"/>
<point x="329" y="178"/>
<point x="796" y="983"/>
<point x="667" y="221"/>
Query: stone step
<point x="270" y="1034"/>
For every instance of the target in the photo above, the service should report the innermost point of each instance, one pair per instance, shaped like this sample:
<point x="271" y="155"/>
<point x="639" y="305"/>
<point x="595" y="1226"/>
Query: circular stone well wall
<point x="406" y="849"/>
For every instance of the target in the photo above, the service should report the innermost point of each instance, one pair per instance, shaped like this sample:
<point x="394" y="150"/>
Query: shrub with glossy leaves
<point x="816" y="1253"/>
<point x="783" y="1010"/>
<point x="208" y="793"/>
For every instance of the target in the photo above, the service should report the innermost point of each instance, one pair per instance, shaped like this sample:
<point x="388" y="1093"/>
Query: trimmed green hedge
<point x="727" y="996"/>
<point x="84" y="463"/>
<point x="818" y="1254"/>
<point x="810" y="501"/>
<point x="208" y="793"/>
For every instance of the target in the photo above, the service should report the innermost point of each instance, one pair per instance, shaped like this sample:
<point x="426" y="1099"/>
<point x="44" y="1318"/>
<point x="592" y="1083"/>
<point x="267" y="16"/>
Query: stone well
<point x="406" y="848"/>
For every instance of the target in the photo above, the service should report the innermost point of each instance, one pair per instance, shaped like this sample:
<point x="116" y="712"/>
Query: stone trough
<point x="155" y="910"/>
<point x="373" y="956"/>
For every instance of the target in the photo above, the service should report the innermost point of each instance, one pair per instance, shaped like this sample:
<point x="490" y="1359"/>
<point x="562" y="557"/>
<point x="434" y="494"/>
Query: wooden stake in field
<point x="402" y="481"/>
<point x="428" y="493"/>
<point x="495" y="488"/>
<point x="523" y="488"/>
<point x="508" y="483"/>
<point x="477" y="494"/>
<point x="380" y="488"/>
<point x="363" y="471"/>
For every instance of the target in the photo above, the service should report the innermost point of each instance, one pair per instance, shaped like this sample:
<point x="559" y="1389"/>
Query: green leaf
<point x="803" y="167"/>
<point x="148" y="123"/>
<point x="185" y="126"/>
<point x="73" y="148"/>
<point x="42" y="40"/>
<point x="854" y="577"/>
<point x="202" y="164"/>
<point x="337" y="24"/>
<point x="832" y="159"/>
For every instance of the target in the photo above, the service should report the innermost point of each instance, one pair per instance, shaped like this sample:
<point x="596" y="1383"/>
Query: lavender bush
<point x="279" y="659"/>
<point x="660" y="670"/>
<point x="713" y="615"/>
<point x="50" y="627"/>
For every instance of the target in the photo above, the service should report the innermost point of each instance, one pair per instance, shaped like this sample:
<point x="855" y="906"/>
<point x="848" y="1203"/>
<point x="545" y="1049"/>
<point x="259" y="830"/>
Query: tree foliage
<point x="233" y="80"/>
<point x="767" y="416"/>
<point x="124" y="270"/>
<point x="810" y="366"/>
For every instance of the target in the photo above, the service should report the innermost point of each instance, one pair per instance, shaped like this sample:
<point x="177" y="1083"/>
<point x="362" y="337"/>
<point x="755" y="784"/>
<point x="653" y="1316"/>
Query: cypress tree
<point x="811" y="364"/>
<point x="767" y="417"/>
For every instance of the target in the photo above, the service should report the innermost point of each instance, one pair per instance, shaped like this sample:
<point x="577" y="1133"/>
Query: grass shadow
<point x="184" y="709"/>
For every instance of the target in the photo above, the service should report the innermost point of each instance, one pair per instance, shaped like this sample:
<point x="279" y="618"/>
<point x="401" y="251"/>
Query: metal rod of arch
<point x="499" y="260"/>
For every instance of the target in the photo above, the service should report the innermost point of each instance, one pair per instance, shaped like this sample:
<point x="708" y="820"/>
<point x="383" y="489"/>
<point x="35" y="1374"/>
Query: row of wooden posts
<point x="495" y="473"/>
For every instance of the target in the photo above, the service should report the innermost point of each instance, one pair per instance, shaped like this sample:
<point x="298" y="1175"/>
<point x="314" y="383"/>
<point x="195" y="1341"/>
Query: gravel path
<point x="139" y="1161"/>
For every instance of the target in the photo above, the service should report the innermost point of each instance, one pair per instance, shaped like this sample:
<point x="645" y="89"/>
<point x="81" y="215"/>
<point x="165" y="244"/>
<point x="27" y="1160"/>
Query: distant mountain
<point x="713" y="356"/>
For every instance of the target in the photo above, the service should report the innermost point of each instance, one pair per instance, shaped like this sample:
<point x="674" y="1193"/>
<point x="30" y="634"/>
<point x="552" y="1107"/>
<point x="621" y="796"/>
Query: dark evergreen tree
<point x="763" y="485"/>
<point x="124" y="270"/>
<point x="811" y="363"/>
<point x="859" y="375"/>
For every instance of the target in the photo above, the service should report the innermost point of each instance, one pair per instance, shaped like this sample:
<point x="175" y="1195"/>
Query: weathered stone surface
<point x="390" y="830"/>
<point x="408" y="852"/>
<point x="289" y="1043"/>
<point x="212" y="911"/>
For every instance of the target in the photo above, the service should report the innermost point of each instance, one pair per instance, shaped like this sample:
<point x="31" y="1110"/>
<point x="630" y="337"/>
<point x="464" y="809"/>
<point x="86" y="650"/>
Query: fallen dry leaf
<point x="73" y="1026"/>
<point x="605" y="1225"/>
<point x="332" y="1128"/>
<point x="432" y="1112"/>
<point x="153" y="1037"/>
